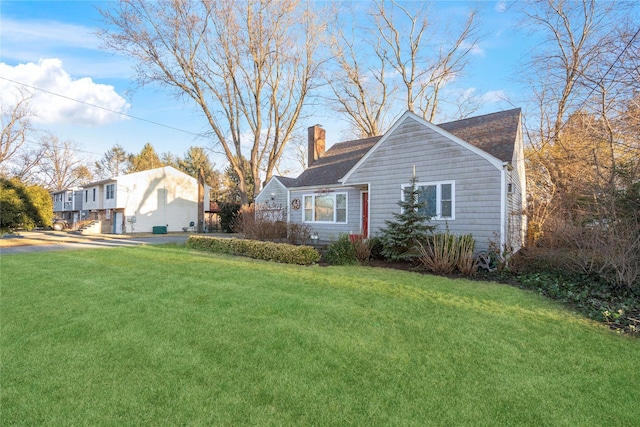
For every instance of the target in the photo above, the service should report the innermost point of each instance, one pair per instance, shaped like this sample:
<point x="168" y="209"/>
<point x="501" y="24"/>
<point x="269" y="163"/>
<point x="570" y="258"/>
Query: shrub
<point x="269" y="251"/>
<point x="375" y="243"/>
<point x="266" y="223"/>
<point x="467" y="262"/>
<point x="618" y="306"/>
<point x="298" y="234"/>
<point x="437" y="254"/>
<point x="444" y="253"/>
<point x="341" y="252"/>
<point x="229" y="216"/>
<point x="24" y="206"/>
<point x="361" y="247"/>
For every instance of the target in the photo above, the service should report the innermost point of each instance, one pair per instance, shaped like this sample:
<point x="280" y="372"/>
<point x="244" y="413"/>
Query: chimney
<point x="316" y="143"/>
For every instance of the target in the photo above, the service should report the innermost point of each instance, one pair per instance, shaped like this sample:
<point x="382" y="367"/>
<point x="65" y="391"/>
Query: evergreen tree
<point x="147" y="159"/>
<point x="400" y="235"/>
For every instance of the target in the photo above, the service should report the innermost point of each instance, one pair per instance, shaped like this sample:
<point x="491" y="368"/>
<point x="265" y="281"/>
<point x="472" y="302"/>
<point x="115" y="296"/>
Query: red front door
<point x="365" y="215"/>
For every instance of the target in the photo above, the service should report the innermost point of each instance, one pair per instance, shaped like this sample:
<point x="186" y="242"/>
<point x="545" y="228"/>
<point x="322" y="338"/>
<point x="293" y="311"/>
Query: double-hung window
<point x="111" y="191"/>
<point x="438" y="199"/>
<point x="325" y="208"/>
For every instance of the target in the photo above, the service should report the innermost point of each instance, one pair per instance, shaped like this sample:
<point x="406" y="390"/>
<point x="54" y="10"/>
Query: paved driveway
<point x="41" y="241"/>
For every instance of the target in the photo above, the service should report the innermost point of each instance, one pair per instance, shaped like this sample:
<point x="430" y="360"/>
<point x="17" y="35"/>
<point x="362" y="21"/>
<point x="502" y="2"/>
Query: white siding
<point x="159" y="197"/>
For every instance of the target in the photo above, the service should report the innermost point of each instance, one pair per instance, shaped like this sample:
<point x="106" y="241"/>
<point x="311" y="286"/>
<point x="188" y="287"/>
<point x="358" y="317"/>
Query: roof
<point x="493" y="133"/>
<point x="286" y="181"/>
<point x="335" y="162"/>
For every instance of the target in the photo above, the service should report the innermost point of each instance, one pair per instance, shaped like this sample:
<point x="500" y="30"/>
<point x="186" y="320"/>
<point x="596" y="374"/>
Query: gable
<point x="422" y="128"/>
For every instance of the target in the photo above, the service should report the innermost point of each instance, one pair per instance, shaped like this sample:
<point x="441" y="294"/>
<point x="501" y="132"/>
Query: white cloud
<point x="83" y="102"/>
<point x="494" y="96"/>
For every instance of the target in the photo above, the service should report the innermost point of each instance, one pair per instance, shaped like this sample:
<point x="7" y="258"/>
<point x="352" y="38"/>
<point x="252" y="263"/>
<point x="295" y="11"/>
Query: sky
<point x="50" y="48"/>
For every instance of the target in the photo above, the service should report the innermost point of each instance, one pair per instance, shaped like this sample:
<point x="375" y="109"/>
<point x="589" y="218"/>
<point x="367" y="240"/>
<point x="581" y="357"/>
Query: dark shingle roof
<point x="336" y="162"/>
<point x="493" y="133"/>
<point x="286" y="181"/>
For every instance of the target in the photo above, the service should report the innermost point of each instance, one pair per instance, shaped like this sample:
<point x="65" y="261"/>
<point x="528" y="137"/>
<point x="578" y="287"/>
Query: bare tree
<point x="400" y="59"/>
<point x="16" y="129"/>
<point x="60" y="166"/>
<point x="577" y="68"/>
<point x="248" y="66"/>
<point x="359" y="80"/>
<point x="112" y="163"/>
<point x="425" y="64"/>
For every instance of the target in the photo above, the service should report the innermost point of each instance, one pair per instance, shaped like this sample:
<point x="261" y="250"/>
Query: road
<point x="43" y="241"/>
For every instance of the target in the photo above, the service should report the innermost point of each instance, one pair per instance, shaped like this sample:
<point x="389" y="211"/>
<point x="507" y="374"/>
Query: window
<point x="111" y="189"/>
<point x="94" y="194"/>
<point x="86" y="195"/>
<point x="70" y="196"/>
<point x="439" y="198"/>
<point x="325" y="208"/>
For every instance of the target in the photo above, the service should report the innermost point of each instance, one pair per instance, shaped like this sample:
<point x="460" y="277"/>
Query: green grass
<point x="164" y="336"/>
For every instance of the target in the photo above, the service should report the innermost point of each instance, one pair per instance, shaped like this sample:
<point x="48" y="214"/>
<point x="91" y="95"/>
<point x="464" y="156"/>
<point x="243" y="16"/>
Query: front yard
<point x="165" y="336"/>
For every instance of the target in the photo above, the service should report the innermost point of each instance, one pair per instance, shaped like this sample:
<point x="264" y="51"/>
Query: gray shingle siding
<point x="331" y="231"/>
<point x="470" y="153"/>
<point x="436" y="158"/>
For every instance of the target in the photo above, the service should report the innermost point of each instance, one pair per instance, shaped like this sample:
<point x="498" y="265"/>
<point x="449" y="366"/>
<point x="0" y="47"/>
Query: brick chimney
<point x="316" y="143"/>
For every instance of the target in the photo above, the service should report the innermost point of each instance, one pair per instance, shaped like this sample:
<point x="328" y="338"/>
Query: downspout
<point x="503" y="203"/>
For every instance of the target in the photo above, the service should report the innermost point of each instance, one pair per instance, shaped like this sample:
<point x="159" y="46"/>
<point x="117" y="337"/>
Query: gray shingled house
<point x="470" y="172"/>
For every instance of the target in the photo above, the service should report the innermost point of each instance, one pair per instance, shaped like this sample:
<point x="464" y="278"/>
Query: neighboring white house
<point x="470" y="172"/>
<point x="140" y="201"/>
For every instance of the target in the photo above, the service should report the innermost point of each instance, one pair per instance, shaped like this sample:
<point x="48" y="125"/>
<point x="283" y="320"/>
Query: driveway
<point x="41" y="241"/>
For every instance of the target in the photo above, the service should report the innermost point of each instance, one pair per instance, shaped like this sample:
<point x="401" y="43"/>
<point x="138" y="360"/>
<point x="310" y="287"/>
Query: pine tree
<point x="410" y="226"/>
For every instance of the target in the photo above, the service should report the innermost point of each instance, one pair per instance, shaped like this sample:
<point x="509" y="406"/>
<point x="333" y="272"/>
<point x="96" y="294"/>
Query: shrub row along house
<point x="471" y="174"/>
<point x="156" y="200"/>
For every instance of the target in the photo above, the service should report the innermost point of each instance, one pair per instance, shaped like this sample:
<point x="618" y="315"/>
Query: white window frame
<point x="335" y="209"/>
<point x="112" y="192"/>
<point x="438" y="185"/>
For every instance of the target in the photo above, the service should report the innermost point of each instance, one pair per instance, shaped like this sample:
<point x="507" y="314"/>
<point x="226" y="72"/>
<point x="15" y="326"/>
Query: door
<point x="117" y="222"/>
<point x="365" y="214"/>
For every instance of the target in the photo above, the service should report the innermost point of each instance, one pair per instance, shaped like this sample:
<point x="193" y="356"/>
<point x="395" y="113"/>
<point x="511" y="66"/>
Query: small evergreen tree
<point x="400" y="236"/>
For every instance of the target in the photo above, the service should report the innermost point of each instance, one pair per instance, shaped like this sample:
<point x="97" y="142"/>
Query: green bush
<point x="24" y="206"/>
<point x="341" y="252"/>
<point x="229" y="213"/>
<point x="618" y="306"/>
<point x="269" y="251"/>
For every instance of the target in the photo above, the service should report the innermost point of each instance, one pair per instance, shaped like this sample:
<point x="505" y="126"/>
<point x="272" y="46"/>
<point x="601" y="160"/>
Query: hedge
<point x="269" y="251"/>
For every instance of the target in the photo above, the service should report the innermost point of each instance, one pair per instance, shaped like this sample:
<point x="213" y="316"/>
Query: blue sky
<point x="51" y="45"/>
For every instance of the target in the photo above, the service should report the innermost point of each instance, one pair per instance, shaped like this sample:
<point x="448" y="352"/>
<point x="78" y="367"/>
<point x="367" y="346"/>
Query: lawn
<point x="164" y="336"/>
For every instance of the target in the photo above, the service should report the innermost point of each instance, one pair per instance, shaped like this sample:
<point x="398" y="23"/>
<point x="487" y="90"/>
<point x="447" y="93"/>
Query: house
<point x="470" y="172"/>
<point x="67" y="205"/>
<point x="142" y="201"/>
